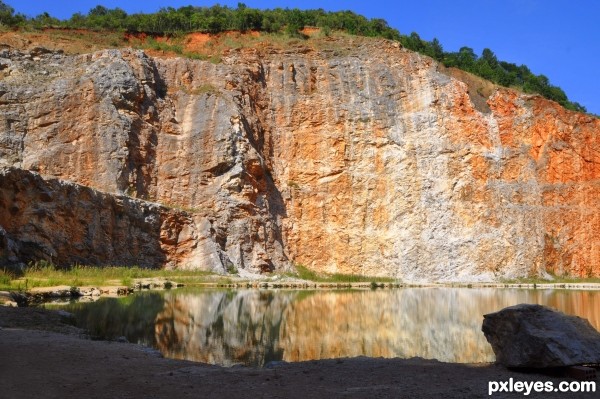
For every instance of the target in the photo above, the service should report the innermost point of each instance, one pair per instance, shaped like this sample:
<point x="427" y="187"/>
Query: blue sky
<point x="557" y="38"/>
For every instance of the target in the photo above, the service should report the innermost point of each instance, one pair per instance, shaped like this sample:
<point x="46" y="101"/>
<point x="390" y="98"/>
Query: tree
<point x="6" y="14"/>
<point x="466" y="59"/>
<point x="98" y="11"/>
<point x="413" y="42"/>
<point x="216" y="24"/>
<point x="377" y="26"/>
<point x="77" y="20"/>
<point x="45" y="19"/>
<point x="247" y="19"/>
<point x="270" y="23"/>
<point x="8" y="17"/>
<point x="488" y="56"/>
<point x="437" y="51"/>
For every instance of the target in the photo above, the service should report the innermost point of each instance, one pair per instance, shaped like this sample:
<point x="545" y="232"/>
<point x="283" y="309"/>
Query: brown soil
<point x="310" y="30"/>
<point x="195" y="44"/>
<point x="479" y="89"/>
<point x="71" y="41"/>
<point x="41" y="356"/>
<point x="195" y="41"/>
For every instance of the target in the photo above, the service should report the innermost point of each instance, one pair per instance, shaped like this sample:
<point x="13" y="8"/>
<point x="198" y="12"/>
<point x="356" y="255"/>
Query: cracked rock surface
<point x="370" y="161"/>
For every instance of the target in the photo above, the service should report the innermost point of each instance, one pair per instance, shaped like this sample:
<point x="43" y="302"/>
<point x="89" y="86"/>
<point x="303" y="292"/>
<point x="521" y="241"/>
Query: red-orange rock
<point x="371" y="161"/>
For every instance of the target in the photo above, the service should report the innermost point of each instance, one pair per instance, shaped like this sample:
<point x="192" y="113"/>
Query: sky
<point x="556" y="38"/>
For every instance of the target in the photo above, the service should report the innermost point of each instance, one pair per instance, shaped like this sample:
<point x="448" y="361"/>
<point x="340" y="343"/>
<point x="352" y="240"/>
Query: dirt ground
<point x="41" y="356"/>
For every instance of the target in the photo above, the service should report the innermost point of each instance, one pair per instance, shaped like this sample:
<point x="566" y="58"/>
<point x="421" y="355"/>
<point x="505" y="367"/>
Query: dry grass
<point x="70" y="41"/>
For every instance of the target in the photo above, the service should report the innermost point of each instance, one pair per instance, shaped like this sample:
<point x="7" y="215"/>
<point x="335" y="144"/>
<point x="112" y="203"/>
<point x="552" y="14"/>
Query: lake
<point x="254" y="327"/>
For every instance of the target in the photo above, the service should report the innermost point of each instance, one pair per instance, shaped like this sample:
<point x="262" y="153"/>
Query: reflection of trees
<point x="132" y="317"/>
<point x="222" y="327"/>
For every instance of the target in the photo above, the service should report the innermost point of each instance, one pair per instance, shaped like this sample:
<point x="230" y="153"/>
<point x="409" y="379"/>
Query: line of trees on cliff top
<point x="218" y="18"/>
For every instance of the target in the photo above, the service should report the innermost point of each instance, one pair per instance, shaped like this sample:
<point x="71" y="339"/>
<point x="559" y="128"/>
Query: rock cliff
<point x="66" y="223"/>
<point x="358" y="157"/>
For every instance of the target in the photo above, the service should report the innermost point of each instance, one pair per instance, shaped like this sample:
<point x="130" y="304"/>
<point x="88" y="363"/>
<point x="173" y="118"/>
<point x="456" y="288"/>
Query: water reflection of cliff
<point x="222" y="327"/>
<point x="254" y="327"/>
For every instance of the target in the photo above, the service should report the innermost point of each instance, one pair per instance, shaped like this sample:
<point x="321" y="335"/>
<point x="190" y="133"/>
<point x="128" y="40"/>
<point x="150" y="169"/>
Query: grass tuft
<point x="554" y="280"/>
<point x="45" y="274"/>
<point x="5" y="279"/>
<point x="202" y="89"/>
<point x="306" y="274"/>
<point x="164" y="46"/>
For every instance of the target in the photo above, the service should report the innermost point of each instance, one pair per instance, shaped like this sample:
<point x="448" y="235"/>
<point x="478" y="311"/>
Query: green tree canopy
<point x="215" y="19"/>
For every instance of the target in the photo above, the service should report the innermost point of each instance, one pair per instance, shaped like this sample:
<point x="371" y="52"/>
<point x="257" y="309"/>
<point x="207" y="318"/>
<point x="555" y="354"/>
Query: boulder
<point x="535" y="336"/>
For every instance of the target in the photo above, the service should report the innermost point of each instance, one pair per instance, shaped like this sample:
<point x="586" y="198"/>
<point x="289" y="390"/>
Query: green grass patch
<point x="195" y="56"/>
<point x="202" y="89"/>
<point x="154" y="44"/>
<point x="45" y="274"/>
<point x="554" y="280"/>
<point x="304" y="273"/>
<point x="5" y="280"/>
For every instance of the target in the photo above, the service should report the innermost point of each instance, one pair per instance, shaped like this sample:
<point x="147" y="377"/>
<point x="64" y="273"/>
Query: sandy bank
<point x="41" y="356"/>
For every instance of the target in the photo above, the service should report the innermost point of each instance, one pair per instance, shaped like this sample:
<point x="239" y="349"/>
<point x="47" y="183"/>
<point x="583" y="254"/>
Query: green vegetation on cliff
<point x="218" y="18"/>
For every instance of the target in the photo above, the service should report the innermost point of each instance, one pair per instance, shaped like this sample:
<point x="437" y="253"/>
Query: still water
<point x="255" y="327"/>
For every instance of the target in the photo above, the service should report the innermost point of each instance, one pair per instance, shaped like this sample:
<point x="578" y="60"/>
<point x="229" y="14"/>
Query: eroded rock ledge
<point x="67" y="223"/>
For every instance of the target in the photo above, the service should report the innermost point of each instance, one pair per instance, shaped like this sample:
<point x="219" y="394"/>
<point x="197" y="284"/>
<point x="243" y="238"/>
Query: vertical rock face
<point x="367" y="159"/>
<point x="67" y="224"/>
<point x="389" y="169"/>
<point x="110" y="121"/>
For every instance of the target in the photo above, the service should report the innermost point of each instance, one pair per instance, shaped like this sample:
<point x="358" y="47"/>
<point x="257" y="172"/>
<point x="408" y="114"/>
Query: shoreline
<point x="40" y="295"/>
<point x="42" y="354"/>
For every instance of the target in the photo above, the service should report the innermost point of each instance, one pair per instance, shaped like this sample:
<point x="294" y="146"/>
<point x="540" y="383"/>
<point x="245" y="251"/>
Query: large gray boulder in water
<point x="536" y="336"/>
